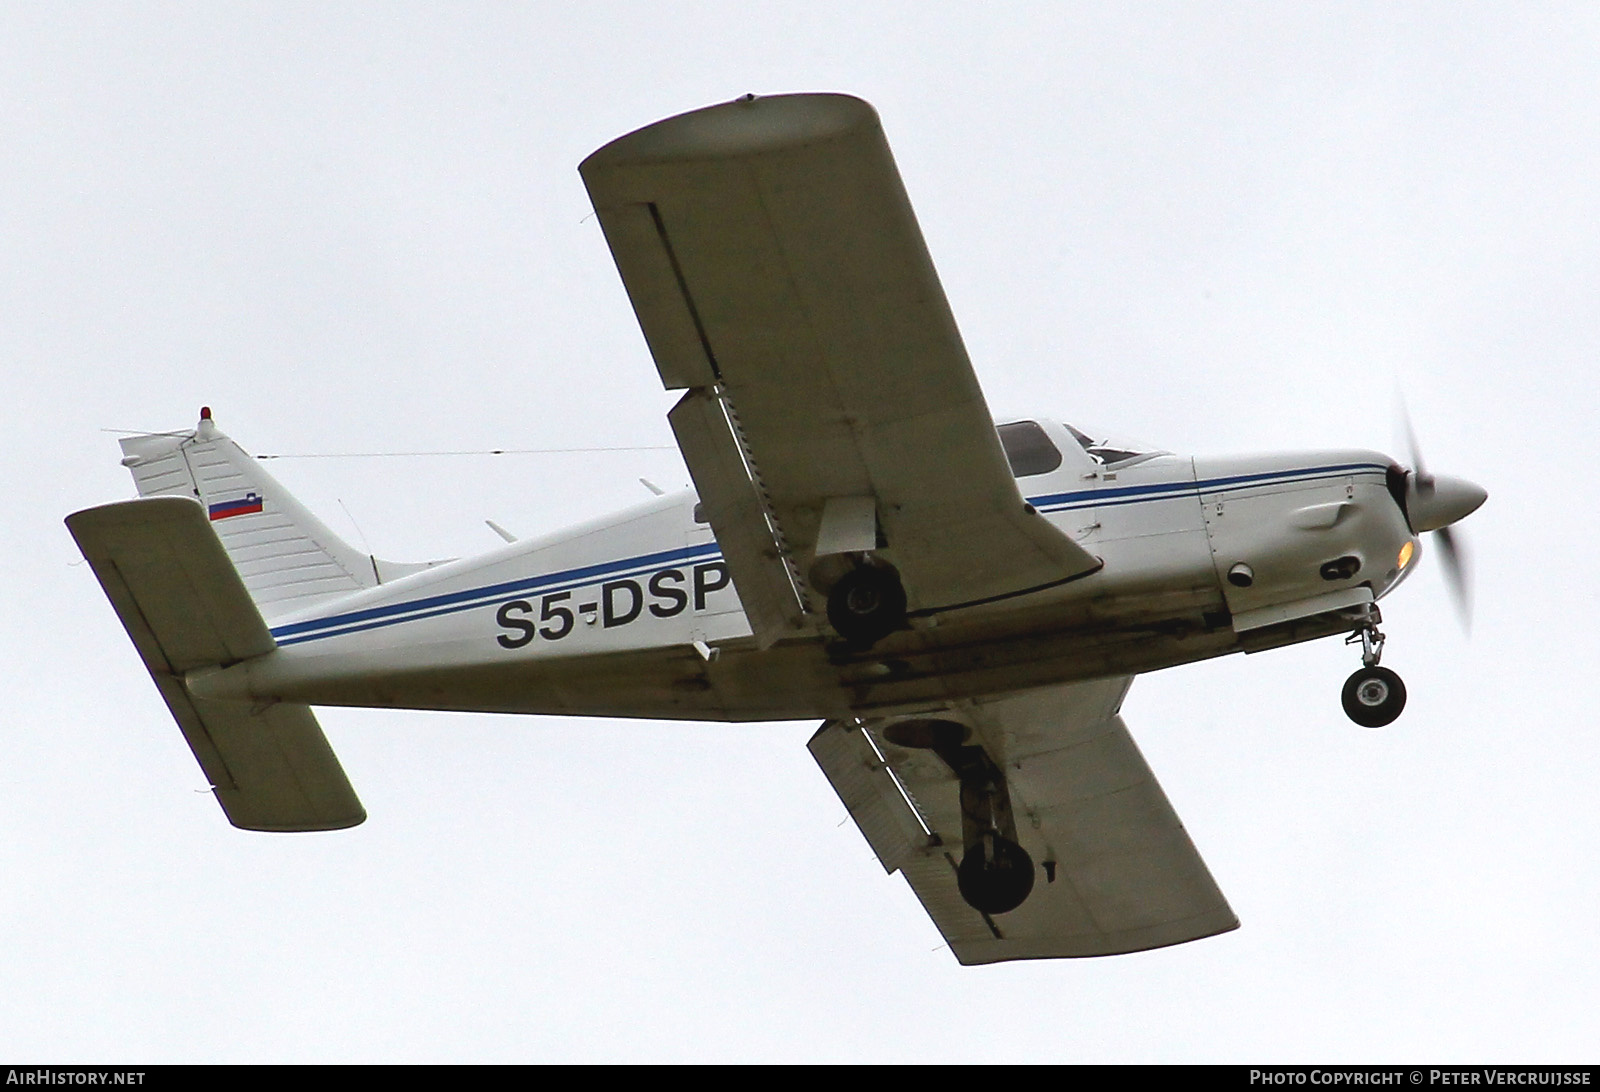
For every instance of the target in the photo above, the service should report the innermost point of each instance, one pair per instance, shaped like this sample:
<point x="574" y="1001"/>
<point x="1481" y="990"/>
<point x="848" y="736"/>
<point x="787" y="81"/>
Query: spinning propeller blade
<point x="1433" y="504"/>
<point x="1457" y="573"/>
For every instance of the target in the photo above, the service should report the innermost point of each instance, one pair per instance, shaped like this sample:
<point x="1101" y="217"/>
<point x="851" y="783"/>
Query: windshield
<point x="1113" y="451"/>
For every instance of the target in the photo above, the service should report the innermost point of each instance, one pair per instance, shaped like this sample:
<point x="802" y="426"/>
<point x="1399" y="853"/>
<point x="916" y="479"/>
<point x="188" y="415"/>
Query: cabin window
<point x="1028" y="449"/>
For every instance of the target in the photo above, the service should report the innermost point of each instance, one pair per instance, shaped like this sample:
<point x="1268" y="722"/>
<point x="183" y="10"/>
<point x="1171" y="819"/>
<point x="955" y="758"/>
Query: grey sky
<point x="1218" y="227"/>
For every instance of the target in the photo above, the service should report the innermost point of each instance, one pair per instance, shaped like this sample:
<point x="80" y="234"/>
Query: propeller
<point x="1435" y="502"/>
<point x="1457" y="573"/>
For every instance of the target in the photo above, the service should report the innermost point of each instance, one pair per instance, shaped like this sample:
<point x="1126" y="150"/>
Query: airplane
<point x="962" y="603"/>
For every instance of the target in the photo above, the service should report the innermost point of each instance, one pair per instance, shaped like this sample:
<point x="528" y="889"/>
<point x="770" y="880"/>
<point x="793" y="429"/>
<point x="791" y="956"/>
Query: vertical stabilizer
<point x="287" y="558"/>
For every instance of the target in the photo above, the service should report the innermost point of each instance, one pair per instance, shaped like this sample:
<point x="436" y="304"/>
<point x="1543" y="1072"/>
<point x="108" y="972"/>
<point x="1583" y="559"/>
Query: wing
<point x="1126" y="877"/>
<point x="779" y="276"/>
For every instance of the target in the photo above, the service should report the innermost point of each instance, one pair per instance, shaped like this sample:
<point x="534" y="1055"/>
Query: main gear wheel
<point x="867" y="604"/>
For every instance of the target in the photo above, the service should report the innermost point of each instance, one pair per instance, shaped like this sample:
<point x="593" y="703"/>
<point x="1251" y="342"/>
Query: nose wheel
<point x="1374" y="696"/>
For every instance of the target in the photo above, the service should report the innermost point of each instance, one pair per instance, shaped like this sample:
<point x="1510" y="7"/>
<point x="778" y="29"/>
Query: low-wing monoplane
<point x="963" y="604"/>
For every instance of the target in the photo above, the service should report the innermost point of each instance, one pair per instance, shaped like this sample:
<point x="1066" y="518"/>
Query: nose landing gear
<point x="1374" y="696"/>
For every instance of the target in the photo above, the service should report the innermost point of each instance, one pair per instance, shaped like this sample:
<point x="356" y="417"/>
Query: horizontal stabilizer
<point x="185" y="608"/>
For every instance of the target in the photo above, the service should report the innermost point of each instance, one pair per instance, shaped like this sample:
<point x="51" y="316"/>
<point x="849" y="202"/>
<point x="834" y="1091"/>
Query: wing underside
<point x="1117" y="871"/>
<point x="781" y="280"/>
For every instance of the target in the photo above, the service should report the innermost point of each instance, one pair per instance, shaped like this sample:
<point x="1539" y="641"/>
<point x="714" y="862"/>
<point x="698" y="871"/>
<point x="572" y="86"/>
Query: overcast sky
<point x="1219" y="227"/>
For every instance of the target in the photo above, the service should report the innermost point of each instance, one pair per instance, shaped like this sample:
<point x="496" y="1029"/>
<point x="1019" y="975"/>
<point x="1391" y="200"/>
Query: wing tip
<point x="1005" y="950"/>
<point x="342" y="822"/>
<point x="748" y="125"/>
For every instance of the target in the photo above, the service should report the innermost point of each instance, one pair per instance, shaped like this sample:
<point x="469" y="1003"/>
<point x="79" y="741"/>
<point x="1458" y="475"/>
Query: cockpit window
<point x="1028" y="449"/>
<point x="1113" y="452"/>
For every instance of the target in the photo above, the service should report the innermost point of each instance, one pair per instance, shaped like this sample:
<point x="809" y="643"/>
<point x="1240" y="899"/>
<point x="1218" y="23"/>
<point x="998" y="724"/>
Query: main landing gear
<point x="996" y="874"/>
<point x="867" y="604"/>
<point x="1373" y="696"/>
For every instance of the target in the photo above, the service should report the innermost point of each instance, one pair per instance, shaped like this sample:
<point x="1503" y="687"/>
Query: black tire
<point x="1374" y="696"/>
<point x="995" y="876"/>
<point x="867" y="605"/>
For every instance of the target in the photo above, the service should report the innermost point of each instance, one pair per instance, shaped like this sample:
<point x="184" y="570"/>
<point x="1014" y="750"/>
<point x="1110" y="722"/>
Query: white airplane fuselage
<point x="634" y="615"/>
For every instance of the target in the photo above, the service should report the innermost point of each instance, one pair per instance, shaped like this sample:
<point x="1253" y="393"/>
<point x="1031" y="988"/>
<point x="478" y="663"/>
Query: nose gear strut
<point x="1374" y="696"/>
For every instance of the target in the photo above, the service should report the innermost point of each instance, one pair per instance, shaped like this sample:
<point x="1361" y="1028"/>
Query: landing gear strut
<point x="1373" y="696"/>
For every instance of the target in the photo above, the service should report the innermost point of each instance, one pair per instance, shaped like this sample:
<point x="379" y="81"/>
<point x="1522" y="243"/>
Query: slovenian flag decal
<point x="244" y="506"/>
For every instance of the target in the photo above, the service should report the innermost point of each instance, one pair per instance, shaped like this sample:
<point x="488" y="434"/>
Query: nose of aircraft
<point x="1436" y="501"/>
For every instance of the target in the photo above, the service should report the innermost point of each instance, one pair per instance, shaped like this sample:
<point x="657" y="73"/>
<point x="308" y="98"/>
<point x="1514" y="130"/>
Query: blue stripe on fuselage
<point x="453" y="602"/>
<point x="1136" y="494"/>
<point x="433" y="606"/>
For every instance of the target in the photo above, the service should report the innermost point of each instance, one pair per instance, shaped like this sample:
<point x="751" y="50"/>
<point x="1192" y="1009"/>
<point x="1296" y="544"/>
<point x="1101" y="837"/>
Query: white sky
<point x="1220" y="227"/>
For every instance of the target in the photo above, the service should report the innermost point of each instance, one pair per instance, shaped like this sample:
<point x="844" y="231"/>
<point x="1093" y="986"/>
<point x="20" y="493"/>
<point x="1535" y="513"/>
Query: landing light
<point x="1406" y="551"/>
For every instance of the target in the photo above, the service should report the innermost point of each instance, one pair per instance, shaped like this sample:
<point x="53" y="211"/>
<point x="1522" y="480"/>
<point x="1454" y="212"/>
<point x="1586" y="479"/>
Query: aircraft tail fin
<point x="287" y="557"/>
<point x="185" y="606"/>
